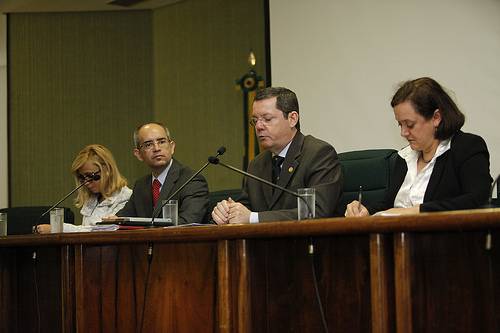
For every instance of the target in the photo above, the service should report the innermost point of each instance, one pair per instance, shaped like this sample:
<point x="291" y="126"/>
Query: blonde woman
<point x="98" y="198"/>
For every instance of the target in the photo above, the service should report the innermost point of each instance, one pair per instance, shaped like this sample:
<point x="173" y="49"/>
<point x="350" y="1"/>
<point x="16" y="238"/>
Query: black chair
<point x="20" y="220"/>
<point x="369" y="169"/>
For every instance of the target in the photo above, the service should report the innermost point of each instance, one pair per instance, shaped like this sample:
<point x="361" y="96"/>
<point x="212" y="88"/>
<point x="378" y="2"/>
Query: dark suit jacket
<point x="192" y="200"/>
<point x="460" y="178"/>
<point x="309" y="162"/>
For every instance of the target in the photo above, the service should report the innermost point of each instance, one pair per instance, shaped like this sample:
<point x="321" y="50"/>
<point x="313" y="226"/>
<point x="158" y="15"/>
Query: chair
<point x="20" y="220"/>
<point x="369" y="169"/>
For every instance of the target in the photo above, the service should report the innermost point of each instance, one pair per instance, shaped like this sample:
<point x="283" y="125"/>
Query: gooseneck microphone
<point x="91" y="177"/>
<point x="158" y="208"/>
<point x="490" y="198"/>
<point x="215" y="160"/>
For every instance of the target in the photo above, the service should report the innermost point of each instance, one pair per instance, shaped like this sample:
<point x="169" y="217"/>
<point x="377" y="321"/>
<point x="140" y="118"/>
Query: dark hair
<point x="136" y="132"/>
<point x="426" y="96"/>
<point x="286" y="100"/>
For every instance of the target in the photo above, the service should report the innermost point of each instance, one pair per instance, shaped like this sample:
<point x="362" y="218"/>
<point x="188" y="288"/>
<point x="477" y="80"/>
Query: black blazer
<point x="460" y="178"/>
<point x="192" y="200"/>
<point x="309" y="162"/>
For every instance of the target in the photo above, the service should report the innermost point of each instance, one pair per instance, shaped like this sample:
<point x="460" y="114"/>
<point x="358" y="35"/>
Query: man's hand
<point x="220" y="213"/>
<point x="238" y="213"/>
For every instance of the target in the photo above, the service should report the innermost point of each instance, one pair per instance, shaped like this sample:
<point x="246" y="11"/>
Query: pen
<point x="360" y="197"/>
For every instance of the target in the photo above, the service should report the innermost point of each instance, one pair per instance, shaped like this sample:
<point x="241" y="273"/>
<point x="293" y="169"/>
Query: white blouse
<point x="412" y="191"/>
<point x="93" y="211"/>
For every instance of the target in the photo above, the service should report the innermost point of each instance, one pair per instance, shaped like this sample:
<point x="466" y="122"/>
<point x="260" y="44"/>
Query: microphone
<point x="158" y="208"/>
<point x="490" y="203"/>
<point x="91" y="177"/>
<point x="215" y="160"/>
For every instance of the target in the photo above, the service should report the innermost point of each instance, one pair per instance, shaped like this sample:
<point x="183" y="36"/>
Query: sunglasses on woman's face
<point x="89" y="176"/>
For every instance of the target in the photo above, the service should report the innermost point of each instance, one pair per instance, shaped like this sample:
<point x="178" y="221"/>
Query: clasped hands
<point x="229" y="211"/>
<point x="357" y="209"/>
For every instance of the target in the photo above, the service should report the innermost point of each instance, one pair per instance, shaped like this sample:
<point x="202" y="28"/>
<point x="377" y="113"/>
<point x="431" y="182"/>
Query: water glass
<point x="306" y="203"/>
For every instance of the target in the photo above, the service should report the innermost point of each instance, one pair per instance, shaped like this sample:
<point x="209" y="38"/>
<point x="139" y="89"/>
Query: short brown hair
<point x="427" y="96"/>
<point x="286" y="100"/>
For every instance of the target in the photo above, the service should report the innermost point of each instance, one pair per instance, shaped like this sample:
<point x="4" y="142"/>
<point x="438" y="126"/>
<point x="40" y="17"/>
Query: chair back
<point x="369" y="169"/>
<point x="20" y="220"/>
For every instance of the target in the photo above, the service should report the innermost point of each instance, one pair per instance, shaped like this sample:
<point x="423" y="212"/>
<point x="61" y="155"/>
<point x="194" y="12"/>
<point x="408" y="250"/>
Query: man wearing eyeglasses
<point x="291" y="160"/>
<point x="154" y="147"/>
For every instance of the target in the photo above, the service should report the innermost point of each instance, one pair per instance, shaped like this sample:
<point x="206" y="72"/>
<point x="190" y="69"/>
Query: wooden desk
<point x="422" y="273"/>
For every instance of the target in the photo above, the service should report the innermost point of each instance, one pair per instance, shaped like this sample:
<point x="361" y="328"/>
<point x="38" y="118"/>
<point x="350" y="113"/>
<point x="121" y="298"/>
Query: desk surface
<point x="443" y="221"/>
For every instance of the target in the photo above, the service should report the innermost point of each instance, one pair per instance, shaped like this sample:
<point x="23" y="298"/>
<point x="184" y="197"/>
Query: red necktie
<point x="156" y="191"/>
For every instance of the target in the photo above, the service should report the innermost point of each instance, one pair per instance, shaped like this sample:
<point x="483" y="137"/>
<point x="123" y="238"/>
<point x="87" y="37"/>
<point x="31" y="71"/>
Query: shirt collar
<point x="163" y="175"/>
<point x="283" y="152"/>
<point x="409" y="154"/>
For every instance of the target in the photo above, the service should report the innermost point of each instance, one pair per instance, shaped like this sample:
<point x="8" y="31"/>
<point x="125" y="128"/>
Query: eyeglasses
<point x="266" y="121"/>
<point x="150" y="144"/>
<point x="88" y="177"/>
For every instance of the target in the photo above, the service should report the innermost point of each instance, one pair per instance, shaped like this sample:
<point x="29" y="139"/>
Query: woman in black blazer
<point x="442" y="168"/>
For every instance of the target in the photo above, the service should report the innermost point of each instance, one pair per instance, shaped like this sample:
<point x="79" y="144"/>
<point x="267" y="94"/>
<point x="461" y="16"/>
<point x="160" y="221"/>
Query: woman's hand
<point x="355" y="208"/>
<point x="43" y="228"/>
<point x="401" y="211"/>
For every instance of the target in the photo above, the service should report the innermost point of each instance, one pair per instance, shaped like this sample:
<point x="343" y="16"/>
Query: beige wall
<point x="353" y="53"/>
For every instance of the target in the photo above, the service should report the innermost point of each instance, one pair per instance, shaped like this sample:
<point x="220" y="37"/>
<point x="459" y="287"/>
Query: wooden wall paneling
<point x="224" y="324"/>
<point x="244" y="322"/>
<point x="403" y="279"/>
<point x="382" y="283"/>
<point x="68" y="289"/>
<point x="8" y="290"/>
<point x="454" y="280"/>
<point x="283" y="297"/>
<point x="180" y="293"/>
<point x="42" y="277"/>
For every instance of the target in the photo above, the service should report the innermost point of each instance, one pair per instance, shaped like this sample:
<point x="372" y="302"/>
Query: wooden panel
<point x="403" y="278"/>
<point x="21" y="279"/>
<point x="455" y="282"/>
<point x="283" y="296"/>
<point x="179" y="295"/>
<point x="223" y="294"/>
<point x="8" y="288"/>
<point x="382" y="283"/>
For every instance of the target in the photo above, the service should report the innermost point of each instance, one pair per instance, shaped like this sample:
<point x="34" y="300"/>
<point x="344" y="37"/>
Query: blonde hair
<point x="111" y="179"/>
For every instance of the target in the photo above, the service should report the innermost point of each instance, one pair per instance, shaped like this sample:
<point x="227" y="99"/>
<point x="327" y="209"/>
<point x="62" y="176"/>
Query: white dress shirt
<point x="93" y="211"/>
<point x="412" y="191"/>
<point x="162" y="176"/>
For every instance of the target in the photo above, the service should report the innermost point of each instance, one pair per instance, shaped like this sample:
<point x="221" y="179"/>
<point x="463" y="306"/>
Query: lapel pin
<point x="290" y="169"/>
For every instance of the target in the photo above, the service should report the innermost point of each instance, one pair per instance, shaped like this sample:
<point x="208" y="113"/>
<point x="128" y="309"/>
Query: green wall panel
<point x="75" y="79"/>
<point x="201" y="48"/>
<point x="92" y="77"/>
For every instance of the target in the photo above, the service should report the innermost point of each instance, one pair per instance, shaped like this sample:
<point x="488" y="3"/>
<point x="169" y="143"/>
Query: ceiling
<point x="12" y="6"/>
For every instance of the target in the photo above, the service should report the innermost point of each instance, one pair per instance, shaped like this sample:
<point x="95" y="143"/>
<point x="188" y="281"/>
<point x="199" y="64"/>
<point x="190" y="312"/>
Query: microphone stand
<point x="215" y="160"/>
<point x="158" y="208"/>
<point x="90" y="178"/>
<point x="488" y="243"/>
